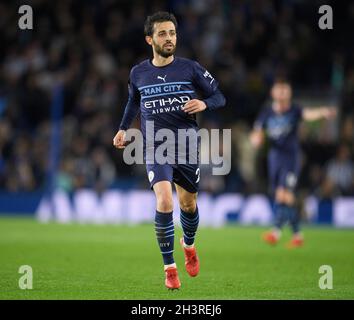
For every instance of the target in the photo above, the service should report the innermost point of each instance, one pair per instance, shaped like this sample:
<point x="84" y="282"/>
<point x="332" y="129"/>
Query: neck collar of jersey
<point x="174" y="59"/>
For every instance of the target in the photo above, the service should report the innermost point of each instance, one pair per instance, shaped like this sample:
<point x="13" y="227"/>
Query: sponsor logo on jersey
<point x="162" y="78"/>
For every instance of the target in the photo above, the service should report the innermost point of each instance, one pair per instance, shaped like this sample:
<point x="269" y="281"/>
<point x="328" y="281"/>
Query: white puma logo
<point x="162" y="78"/>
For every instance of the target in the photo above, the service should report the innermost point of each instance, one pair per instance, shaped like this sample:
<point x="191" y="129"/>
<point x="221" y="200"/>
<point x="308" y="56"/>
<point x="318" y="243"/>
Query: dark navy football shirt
<point x="281" y="129"/>
<point x="160" y="93"/>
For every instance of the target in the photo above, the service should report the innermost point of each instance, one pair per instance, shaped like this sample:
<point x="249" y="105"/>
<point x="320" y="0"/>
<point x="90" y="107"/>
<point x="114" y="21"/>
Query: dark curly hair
<point x="160" y="16"/>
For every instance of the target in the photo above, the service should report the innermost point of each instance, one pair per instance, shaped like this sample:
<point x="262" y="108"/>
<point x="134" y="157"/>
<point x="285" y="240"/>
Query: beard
<point x="164" y="51"/>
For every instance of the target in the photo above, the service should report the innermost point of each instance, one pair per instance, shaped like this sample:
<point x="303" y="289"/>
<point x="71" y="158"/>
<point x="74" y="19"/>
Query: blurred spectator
<point x="340" y="171"/>
<point x="104" y="171"/>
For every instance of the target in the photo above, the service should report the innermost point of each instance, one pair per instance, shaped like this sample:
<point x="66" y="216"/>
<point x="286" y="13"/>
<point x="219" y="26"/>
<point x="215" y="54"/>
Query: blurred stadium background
<point x="63" y="89"/>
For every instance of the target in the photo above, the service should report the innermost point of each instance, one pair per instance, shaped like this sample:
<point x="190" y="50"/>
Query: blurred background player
<point x="158" y="88"/>
<point x="279" y="122"/>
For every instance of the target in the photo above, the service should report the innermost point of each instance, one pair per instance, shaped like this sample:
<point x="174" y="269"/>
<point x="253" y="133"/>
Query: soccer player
<point x="164" y="90"/>
<point x="279" y="122"/>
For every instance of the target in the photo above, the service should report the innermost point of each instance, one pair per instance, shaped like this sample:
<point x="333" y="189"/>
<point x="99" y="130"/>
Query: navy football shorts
<point x="185" y="175"/>
<point x="283" y="172"/>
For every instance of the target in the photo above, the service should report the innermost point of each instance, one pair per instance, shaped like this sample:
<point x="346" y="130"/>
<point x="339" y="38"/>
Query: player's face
<point x="164" y="39"/>
<point x="281" y="94"/>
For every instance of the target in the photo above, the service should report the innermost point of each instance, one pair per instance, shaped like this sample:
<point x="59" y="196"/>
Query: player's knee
<point x="280" y="196"/>
<point x="165" y="204"/>
<point x="188" y="205"/>
<point x="289" y="198"/>
<point x="285" y="196"/>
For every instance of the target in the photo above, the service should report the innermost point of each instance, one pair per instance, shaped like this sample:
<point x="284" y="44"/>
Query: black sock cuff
<point x="163" y="217"/>
<point x="164" y="213"/>
<point x="189" y="214"/>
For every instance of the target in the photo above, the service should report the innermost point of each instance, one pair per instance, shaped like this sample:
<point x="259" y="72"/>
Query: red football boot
<point x="296" y="242"/>
<point x="270" y="237"/>
<point x="172" y="281"/>
<point x="191" y="260"/>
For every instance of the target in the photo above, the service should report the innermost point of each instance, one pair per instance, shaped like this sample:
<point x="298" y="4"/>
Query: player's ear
<point x="148" y="39"/>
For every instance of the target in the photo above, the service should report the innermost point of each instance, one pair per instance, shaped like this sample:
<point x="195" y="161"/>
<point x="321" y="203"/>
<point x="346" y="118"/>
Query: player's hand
<point x="257" y="138"/>
<point x="119" y="139"/>
<point x="194" y="106"/>
<point x="329" y="112"/>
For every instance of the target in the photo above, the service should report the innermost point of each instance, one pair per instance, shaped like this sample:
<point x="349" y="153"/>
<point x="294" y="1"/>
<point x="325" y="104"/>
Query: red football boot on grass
<point x="191" y="260"/>
<point x="296" y="242"/>
<point x="172" y="281"/>
<point x="270" y="237"/>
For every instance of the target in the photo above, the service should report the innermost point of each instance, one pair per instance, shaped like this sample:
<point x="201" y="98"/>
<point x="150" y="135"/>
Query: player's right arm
<point x="131" y="111"/>
<point x="119" y="139"/>
<point x="257" y="135"/>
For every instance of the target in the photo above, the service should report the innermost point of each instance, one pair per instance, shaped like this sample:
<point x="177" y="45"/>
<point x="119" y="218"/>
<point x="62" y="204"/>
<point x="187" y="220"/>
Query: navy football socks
<point x="165" y="235"/>
<point x="281" y="215"/>
<point x="189" y="222"/>
<point x="294" y="219"/>
<point x="285" y="213"/>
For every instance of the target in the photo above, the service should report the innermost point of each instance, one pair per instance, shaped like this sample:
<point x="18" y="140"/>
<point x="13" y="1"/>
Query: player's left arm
<point x="312" y="114"/>
<point x="209" y="89"/>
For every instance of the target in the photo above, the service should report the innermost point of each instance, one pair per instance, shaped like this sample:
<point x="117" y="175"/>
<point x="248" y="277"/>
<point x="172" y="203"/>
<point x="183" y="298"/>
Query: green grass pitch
<point x="76" y="261"/>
